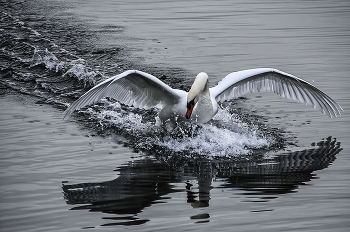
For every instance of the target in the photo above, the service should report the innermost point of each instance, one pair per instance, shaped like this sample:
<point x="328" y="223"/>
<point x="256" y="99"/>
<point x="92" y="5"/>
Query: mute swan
<point x="200" y="104"/>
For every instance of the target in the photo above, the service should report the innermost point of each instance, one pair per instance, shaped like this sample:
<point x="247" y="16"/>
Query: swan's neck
<point x="204" y="110"/>
<point x="199" y="102"/>
<point x="205" y="93"/>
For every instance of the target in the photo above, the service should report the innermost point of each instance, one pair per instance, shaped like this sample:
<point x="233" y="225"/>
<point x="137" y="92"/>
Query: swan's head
<point x="193" y="95"/>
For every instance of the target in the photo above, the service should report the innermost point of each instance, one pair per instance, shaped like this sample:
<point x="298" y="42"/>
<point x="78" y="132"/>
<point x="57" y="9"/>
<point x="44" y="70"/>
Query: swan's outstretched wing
<point x="131" y="88"/>
<point x="272" y="80"/>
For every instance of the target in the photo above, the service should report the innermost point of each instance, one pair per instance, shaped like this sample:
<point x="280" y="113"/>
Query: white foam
<point x="231" y="138"/>
<point x="215" y="141"/>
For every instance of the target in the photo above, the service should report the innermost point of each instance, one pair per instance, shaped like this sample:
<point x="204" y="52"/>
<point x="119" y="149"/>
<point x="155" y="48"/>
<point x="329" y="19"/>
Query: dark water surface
<point x="262" y="164"/>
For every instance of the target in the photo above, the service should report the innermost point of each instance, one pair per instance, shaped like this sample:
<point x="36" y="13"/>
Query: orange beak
<point x="189" y="110"/>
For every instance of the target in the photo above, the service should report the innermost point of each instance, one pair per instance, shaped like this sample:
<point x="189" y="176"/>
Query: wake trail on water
<point x="33" y="64"/>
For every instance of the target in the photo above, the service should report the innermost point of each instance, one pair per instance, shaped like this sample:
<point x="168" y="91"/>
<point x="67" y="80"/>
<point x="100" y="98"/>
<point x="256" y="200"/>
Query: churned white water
<point x="224" y="136"/>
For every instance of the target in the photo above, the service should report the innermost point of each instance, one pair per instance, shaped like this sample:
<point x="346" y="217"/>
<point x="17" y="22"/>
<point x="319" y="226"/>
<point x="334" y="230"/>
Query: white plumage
<point x="142" y="90"/>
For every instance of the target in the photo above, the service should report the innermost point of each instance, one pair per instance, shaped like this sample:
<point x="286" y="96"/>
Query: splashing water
<point x="219" y="138"/>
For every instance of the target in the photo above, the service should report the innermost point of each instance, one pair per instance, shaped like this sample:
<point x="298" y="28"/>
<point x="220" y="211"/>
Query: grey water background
<point x="71" y="175"/>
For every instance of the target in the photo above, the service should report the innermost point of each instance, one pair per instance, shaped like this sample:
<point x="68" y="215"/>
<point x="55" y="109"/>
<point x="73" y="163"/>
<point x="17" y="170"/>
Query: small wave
<point x="75" y="69"/>
<point x="44" y="57"/>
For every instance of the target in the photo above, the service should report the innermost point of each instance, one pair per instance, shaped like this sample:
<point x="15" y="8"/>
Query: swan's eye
<point x="190" y="104"/>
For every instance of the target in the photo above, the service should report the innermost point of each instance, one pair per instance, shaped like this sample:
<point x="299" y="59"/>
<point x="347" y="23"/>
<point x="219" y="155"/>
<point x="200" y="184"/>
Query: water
<point x="263" y="163"/>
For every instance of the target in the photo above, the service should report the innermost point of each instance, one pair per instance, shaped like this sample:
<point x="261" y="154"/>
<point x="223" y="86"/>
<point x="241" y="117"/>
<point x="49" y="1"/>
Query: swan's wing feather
<point x="132" y="87"/>
<point x="272" y="80"/>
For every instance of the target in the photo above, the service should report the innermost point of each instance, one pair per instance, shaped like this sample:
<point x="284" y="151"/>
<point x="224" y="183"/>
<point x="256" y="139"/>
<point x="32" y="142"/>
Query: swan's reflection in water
<point x="145" y="182"/>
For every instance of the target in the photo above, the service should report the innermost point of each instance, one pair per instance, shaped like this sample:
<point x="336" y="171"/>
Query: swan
<point x="200" y="104"/>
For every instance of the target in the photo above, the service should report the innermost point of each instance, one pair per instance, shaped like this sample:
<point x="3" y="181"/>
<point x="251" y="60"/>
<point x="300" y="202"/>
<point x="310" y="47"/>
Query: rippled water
<point x="263" y="163"/>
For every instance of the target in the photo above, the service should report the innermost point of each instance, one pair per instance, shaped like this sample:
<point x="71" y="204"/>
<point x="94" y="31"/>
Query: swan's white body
<point x="200" y="104"/>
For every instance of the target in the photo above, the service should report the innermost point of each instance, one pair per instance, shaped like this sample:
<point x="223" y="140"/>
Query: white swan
<point x="200" y="104"/>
